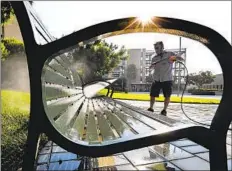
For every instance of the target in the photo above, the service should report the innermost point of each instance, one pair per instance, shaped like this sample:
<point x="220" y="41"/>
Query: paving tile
<point x="229" y="163"/>
<point x="193" y="163"/>
<point x="228" y="140"/>
<point x="65" y="165"/>
<point x="228" y="149"/>
<point x="170" y="152"/>
<point x="108" y="161"/>
<point x="159" y="166"/>
<point x="195" y="149"/>
<point x="42" y="167"/>
<point x="49" y="143"/>
<point x="204" y="155"/>
<point x="58" y="149"/>
<point x="63" y="156"/>
<point x="182" y="143"/>
<point x="112" y="168"/>
<point x="46" y="150"/>
<point x="142" y="156"/>
<point x="43" y="158"/>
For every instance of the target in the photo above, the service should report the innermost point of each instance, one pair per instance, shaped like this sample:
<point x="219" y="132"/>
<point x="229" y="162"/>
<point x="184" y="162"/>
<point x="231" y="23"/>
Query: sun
<point x="145" y="19"/>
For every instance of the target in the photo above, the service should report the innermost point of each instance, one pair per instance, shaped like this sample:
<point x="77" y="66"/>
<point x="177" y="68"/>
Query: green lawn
<point x="146" y="97"/>
<point x="15" y="115"/>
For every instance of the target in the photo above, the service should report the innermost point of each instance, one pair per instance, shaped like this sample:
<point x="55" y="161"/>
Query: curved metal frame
<point x="213" y="138"/>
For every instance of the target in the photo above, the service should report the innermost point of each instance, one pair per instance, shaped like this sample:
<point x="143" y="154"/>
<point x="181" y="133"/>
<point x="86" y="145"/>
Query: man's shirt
<point x="163" y="69"/>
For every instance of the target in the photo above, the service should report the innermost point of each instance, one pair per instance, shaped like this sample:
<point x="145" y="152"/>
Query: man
<point x="162" y="77"/>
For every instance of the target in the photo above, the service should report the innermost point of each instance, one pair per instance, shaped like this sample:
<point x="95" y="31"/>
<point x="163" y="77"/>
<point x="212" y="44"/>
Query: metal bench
<point x="100" y="126"/>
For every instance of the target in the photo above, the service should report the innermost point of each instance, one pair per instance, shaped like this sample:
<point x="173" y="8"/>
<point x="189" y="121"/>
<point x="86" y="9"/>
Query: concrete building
<point x="217" y="84"/>
<point x="141" y="58"/>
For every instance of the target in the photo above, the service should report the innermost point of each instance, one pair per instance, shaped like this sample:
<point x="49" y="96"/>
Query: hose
<point x="182" y="95"/>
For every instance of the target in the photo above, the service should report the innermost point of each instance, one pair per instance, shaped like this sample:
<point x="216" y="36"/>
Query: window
<point x="147" y="71"/>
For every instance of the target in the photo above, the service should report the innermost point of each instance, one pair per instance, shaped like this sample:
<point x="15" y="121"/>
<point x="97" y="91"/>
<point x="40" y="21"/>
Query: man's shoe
<point x="163" y="112"/>
<point x="150" y="109"/>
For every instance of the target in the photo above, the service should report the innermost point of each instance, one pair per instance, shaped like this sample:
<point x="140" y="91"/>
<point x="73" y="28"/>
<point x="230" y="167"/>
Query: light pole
<point x="179" y="76"/>
<point x="122" y="77"/>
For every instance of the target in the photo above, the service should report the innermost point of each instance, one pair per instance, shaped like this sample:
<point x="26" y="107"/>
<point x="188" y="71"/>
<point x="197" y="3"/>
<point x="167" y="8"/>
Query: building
<point x="119" y="71"/>
<point x="217" y="84"/>
<point x="141" y="58"/>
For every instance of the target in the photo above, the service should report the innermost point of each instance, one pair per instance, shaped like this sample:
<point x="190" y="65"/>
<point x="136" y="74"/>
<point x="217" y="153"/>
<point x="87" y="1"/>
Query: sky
<point x="65" y="17"/>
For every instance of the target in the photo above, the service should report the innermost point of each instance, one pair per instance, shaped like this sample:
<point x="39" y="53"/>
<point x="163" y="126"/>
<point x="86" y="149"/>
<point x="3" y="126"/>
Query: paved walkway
<point x="180" y="155"/>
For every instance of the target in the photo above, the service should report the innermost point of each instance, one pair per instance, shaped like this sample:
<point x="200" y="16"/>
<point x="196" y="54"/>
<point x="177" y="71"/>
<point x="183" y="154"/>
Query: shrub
<point x="13" y="46"/>
<point x="4" y="51"/>
<point x="202" y="92"/>
<point x="15" y="116"/>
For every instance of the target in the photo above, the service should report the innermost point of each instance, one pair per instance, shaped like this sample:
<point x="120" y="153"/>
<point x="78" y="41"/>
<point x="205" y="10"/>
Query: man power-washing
<point x="162" y="63"/>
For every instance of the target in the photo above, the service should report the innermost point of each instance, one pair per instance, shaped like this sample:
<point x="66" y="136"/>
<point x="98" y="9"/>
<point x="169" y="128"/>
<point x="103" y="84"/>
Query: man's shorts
<point x="166" y="87"/>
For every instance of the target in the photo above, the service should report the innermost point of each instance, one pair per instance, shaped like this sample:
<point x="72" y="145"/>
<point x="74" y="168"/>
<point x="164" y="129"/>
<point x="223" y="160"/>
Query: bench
<point x="99" y="125"/>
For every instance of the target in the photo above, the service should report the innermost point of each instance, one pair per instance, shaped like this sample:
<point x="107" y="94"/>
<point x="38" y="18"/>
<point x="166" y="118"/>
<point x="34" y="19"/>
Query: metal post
<point x="217" y="153"/>
<point x="179" y="78"/>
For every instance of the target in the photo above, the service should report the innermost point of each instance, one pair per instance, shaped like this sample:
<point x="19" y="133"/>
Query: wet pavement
<point x="177" y="155"/>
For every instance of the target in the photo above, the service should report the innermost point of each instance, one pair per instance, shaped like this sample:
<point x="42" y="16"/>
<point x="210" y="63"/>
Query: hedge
<point x="11" y="46"/>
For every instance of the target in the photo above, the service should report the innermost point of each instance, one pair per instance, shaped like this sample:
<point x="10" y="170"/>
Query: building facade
<point x="217" y="84"/>
<point x="141" y="59"/>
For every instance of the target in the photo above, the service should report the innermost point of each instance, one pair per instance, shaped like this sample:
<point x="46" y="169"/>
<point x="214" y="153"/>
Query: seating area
<point x="111" y="133"/>
<point x="182" y="154"/>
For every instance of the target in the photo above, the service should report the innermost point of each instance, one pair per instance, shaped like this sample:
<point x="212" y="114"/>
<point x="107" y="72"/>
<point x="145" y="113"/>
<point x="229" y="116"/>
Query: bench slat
<point x="153" y="123"/>
<point x="92" y="132"/>
<point x="57" y="107"/>
<point x="122" y="129"/>
<point x="63" y="61"/>
<point x="54" y="64"/>
<point x="53" y="92"/>
<point x="79" y="123"/>
<point x="65" y="118"/>
<point x="134" y="123"/>
<point x="53" y="77"/>
<point x="105" y="129"/>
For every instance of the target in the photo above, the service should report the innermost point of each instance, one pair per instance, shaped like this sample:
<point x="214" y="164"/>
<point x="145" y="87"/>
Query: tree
<point x="6" y="13"/>
<point x="98" y="58"/>
<point x="120" y="83"/>
<point x="131" y="72"/>
<point x="203" y="77"/>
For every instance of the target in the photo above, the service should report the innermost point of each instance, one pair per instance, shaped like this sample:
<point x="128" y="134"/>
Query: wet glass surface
<point x="193" y="163"/>
<point x="114" y="168"/>
<point x="183" y="143"/>
<point x="108" y="161"/>
<point x="159" y="166"/>
<point x="63" y="156"/>
<point x="195" y="149"/>
<point x="228" y="149"/>
<point x="229" y="163"/>
<point x="58" y="149"/>
<point x="43" y="158"/>
<point x="204" y="155"/>
<point x="142" y="156"/>
<point x="170" y="152"/>
<point x="45" y="150"/>
<point x="41" y="167"/>
<point x="65" y="165"/>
